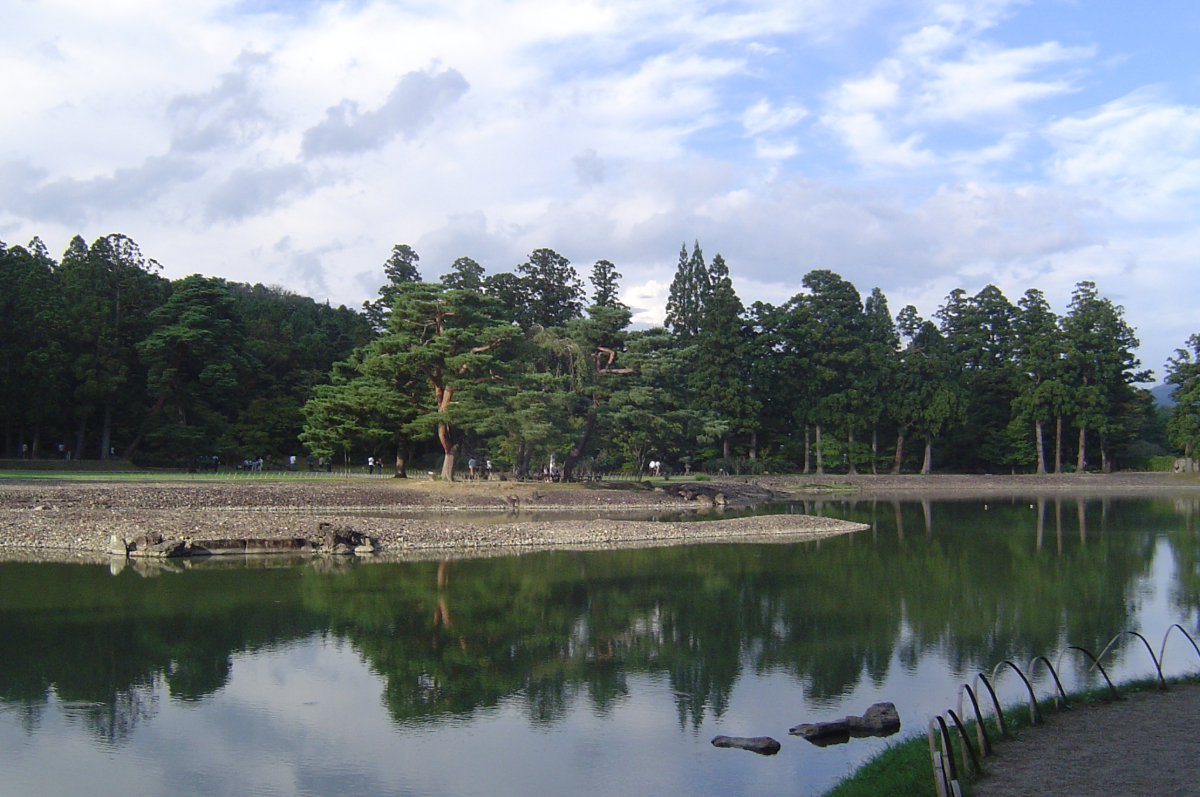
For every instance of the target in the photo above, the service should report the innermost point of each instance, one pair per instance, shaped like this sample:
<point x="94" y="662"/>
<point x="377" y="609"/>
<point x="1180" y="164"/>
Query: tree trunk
<point x="807" y="451"/>
<point x="106" y="429"/>
<point x="37" y="441"/>
<point x="899" y="452"/>
<point x="568" y="470"/>
<point x="449" y="449"/>
<point x="853" y="471"/>
<point x="401" y="458"/>
<point x="1041" y="448"/>
<point x="1081" y="460"/>
<point x="80" y="430"/>
<point x="725" y="447"/>
<point x="1105" y="459"/>
<point x="820" y="455"/>
<point x="875" y="450"/>
<point x="137" y="439"/>
<point x="927" y="465"/>
<point x="754" y="445"/>
<point x="1058" y="444"/>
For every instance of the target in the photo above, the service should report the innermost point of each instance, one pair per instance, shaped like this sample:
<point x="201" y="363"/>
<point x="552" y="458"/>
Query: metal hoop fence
<point x="945" y="727"/>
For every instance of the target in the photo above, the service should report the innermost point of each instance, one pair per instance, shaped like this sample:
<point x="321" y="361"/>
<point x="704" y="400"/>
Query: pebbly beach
<point x="406" y="519"/>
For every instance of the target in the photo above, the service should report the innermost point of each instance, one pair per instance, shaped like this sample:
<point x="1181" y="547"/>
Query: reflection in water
<point x="593" y="647"/>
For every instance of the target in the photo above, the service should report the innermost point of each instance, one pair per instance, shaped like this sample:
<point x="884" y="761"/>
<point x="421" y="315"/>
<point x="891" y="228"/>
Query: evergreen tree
<point x="1183" y="374"/>
<point x="465" y="274"/>
<point x="449" y="341"/>
<point x="33" y="362"/>
<point x="1041" y="394"/>
<point x="838" y="359"/>
<point x="553" y="290"/>
<point x="195" y="367"/>
<point x="111" y="290"/>
<point x="685" y="303"/>
<point x="717" y="356"/>
<point x="882" y="344"/>
<point x="979" y="336"/>
<point x="1100" y="367"/>
<point x="604" y="284"/>
<point x="400" y="270"/>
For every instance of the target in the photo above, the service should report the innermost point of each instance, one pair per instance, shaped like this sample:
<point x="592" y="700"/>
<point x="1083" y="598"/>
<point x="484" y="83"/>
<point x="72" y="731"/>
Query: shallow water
<point x="598" y="673"/>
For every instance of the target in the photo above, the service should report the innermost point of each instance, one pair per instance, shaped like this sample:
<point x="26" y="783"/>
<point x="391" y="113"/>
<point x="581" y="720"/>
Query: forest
<point x="535" y="370"/>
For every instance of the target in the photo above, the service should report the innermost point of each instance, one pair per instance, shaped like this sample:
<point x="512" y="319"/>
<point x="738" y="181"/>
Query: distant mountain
<point x="1162" y="395"/>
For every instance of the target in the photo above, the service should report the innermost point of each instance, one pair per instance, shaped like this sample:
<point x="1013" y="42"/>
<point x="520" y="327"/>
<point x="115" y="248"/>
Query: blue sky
<point x="918" y="146"/>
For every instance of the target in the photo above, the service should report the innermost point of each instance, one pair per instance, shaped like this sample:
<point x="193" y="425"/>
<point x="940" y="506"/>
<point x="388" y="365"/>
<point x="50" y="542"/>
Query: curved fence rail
<point x="944" y="727"/>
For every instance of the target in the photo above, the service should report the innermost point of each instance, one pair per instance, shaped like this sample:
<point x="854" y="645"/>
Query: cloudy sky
<point x="914" y="145"/>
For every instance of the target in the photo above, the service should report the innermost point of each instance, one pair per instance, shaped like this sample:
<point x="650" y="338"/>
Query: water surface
<point x="583" y="673"/>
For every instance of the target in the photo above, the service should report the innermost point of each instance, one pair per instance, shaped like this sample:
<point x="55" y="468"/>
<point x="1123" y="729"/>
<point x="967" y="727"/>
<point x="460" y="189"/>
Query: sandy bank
<point x="407" y="519"/>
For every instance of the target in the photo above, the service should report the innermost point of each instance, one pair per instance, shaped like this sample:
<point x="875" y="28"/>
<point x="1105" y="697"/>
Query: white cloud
<point x="763" y="117"/>
<point x="1138" y="155"/>
<point x="943" y="74"/>
<point x="942" y="149"/>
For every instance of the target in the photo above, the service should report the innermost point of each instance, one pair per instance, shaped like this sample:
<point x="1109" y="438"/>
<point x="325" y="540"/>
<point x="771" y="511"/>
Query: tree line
<point x="101" y="357"/>
<point x="525" y="367"/>
<point x="104" y="357"/>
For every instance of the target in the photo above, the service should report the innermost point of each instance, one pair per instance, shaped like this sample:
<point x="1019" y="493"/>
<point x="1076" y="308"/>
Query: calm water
<point x="562" y="673"/>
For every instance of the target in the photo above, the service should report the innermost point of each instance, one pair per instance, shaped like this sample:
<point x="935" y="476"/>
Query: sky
<point x="917" y="146"/>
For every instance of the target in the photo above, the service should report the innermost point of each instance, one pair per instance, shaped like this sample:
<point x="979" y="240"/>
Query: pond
<point x="595" y="673"/>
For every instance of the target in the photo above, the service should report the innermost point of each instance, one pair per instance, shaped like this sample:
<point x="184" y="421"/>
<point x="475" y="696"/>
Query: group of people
<point x="474" y="471"/>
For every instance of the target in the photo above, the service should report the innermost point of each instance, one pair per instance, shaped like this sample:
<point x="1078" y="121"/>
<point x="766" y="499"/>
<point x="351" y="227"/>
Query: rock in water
<point x="763" y="745"/>
<point x="824" y="733"/>
<point x="881" y="719"/>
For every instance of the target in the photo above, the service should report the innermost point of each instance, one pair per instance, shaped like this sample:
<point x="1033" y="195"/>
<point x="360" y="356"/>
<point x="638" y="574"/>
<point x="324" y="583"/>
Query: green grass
<point x="904" y="769"/>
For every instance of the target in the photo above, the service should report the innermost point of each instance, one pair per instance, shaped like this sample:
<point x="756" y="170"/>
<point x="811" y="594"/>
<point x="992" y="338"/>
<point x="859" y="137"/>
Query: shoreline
<point x="439" y="519"/>
<point x="407" y="521"/>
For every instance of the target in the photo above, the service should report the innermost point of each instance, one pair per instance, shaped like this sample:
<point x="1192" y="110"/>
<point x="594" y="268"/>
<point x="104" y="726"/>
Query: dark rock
<point x="340" y="540"/>
<point x="819" y="730"/>
<point x="763" y="745"/>
<point x="881" y="719"/>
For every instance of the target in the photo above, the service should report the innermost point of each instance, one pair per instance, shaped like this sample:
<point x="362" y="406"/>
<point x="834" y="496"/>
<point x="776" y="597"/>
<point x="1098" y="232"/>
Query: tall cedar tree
<point x="112" y="289"/>
<point x="1041" y="394"/>
<point x="1100" y="367"/>
<point x="685" y="302"/>
<point x="1183" y="374"/>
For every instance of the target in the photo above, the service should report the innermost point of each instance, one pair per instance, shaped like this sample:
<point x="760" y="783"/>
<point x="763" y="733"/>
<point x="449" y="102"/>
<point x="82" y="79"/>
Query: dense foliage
<point x="513" y="367"/>
<point x="101" y="356"/>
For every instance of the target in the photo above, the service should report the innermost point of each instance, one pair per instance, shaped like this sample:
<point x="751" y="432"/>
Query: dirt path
<point x="1146" y="744"/>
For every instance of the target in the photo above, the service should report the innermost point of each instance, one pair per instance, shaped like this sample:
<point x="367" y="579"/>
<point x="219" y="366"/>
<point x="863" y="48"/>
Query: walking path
<point x="1145" y="744"/>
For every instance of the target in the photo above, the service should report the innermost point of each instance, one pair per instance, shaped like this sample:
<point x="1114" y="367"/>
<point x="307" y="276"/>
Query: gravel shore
<point x="424" y="518"/>
<point x="407" y="519"/>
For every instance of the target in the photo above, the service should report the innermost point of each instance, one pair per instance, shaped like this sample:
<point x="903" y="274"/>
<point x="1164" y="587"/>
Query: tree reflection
<point x="549" y="630"/>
